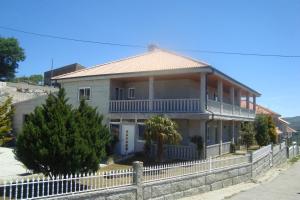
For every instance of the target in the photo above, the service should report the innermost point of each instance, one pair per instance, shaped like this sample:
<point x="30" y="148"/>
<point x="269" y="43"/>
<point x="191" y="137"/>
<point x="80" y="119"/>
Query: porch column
<point x="239" y="97"/>
<point x="232" y="132"/>
<point x="220" y="134"/>
<point x="151" y="92"/>
<point x="254" y="103"/>
<point x="247" y="101"/>
<point x="220" y="95"/>
<point x="238" y="125"/>
<point x="232" y="98"/>
<point x="203" y="133"/>
<point x="203" y="92"/>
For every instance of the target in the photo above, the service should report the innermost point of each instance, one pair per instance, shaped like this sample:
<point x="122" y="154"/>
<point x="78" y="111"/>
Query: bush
<point x="198" y="141"/>
<point x="58" y="139"/>
<point x="247" y="133"/>
<point x="261" y="125"/>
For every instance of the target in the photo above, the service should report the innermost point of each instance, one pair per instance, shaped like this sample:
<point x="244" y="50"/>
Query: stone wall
<point x="189" y="185"/>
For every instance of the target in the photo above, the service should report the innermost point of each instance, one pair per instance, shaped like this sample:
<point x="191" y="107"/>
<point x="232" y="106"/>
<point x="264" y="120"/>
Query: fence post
<point x="287" y="152"/>
<point x="138" y="179"/>
<point x="210" y="164"/>
<point x="251" y="162"/>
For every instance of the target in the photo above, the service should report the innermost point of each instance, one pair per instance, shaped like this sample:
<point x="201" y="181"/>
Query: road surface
<point x="285" y="186"/>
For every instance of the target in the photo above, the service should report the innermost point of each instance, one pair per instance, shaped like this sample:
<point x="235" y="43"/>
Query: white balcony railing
<point x="176" y="106"/>
<point x="228" y="109"/>
<point x="156" y="105"/>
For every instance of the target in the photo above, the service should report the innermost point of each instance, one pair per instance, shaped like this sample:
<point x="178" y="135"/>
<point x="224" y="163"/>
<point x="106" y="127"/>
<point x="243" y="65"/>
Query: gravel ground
<point x="9" y="167"/>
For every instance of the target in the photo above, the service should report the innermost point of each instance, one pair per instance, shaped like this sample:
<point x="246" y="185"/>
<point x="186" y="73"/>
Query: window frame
<point x="138" y="137"/>
<point x="128" y="96"/>
<point x="84" y="88"/>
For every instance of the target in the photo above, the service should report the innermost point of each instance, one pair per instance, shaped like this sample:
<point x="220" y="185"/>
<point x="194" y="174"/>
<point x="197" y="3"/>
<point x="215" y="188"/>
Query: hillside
<point x="295" y="122"/>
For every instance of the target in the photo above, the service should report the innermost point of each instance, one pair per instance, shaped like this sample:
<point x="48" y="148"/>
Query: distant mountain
<point x="295" y="122"/>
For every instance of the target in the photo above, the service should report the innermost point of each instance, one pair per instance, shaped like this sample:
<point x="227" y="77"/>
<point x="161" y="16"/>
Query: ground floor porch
<point x="217" y="136"/>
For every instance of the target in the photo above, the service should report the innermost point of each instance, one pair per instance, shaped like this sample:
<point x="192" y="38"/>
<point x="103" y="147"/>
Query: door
<point x="128" y="132"/>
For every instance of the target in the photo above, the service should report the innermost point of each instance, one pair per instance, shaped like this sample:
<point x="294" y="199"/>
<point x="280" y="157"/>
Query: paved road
<point x="285" y="186"/>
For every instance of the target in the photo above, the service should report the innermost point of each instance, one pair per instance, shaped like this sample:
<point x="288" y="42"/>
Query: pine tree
<point x="58" y="139"/>
<point x="6" y="112"/>
<point x="261" y="125"/>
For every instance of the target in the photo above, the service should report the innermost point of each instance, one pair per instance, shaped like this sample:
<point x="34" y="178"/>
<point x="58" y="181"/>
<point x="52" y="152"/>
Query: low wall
<point x="188" y="185"/>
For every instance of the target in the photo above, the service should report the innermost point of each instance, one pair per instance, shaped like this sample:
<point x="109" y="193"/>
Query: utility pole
<point x="51" y="71"/>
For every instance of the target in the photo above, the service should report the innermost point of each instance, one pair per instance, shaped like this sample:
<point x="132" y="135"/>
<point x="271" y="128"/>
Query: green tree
<point x="272" y="130"/>
<point x="261" y="125"/>
<point x="162" y="130"/>
<point x="6" y="112"/>
<point x="198" y="141"/>
<point x="247" y="133"/>
<point x="33" y="79"/>
<point x="10" y="54"/>
<point x="58" y="139"/>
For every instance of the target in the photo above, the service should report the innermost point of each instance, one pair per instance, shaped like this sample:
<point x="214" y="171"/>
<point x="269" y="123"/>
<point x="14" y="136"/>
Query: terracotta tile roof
<point x="156" y="60"/>
<point x="290" y="130"/>
<point x="259" y="109"/>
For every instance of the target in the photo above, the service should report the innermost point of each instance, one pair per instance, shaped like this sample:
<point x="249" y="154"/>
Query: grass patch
<point x="294" y="160"/>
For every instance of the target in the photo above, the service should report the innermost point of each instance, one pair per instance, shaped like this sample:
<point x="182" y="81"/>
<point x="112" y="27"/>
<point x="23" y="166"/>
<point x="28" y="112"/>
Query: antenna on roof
<point x="152" y="47"/>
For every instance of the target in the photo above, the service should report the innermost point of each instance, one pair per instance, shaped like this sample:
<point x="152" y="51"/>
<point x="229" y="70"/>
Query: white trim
<point x="78" y="93"/>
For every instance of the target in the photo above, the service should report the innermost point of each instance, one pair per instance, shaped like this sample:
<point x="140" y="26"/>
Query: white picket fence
<point x="260" y="153"/>
<point x="293" y="151"/>
<point x="177" y="152"/>
<point x="167" y="171"/>
<point x="46" y="187"/>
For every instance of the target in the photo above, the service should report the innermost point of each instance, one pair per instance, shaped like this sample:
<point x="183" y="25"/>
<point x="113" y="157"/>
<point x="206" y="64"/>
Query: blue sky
<point x="267" y="26"/>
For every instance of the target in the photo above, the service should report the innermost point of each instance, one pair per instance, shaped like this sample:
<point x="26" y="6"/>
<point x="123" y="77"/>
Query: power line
<point x="143" y="46"/>
<point x="71" y="39"/>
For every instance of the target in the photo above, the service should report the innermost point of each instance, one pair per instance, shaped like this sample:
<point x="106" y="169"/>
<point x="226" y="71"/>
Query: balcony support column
<point x="151" y="92"/>
<point x="203" y="92"/>
<point x="220" y="134"/>
<point x="254" y="103"/>
<point x="233" y="132"/>
<point x="203" y="133"/>
<point x="220" y="95"/>
<point x="232" y="99"/>
<point x="247" y="101"/>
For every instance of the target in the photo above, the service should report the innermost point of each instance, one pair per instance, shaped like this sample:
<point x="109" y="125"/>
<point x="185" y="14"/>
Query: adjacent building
<point x="60" y="71"/>
<point x="201" y="99"/>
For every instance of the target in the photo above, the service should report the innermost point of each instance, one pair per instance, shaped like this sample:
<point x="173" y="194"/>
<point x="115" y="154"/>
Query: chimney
<point x="152" y="47"/>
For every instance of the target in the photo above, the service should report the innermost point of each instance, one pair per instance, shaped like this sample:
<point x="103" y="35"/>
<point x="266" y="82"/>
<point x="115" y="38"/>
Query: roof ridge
<point x="184" y="56"/>
<point x="134" y="56"/>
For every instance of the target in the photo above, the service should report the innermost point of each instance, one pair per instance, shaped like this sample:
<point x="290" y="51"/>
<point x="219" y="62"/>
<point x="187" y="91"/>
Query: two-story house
<point x="201" y="99"/>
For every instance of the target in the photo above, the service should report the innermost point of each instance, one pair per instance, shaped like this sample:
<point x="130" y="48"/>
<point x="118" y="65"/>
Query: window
<point x="142" y="131"/>
<point x="131" y="93"/>
<point x="25" y="118"/>
<point x="119" y="93"/>
<point x="84" y="93"/>
<point x="115" y="131"/>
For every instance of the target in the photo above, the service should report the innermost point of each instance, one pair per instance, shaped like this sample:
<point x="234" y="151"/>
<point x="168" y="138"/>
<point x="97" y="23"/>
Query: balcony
<point x="177" y="106"/>
<point x="156" y="106"/>
<point x="229" y="109"/>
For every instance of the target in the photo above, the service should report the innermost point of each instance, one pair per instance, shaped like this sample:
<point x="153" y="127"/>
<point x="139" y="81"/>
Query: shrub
<point x="261" y="125"/>
<point x="58" y="139"/>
